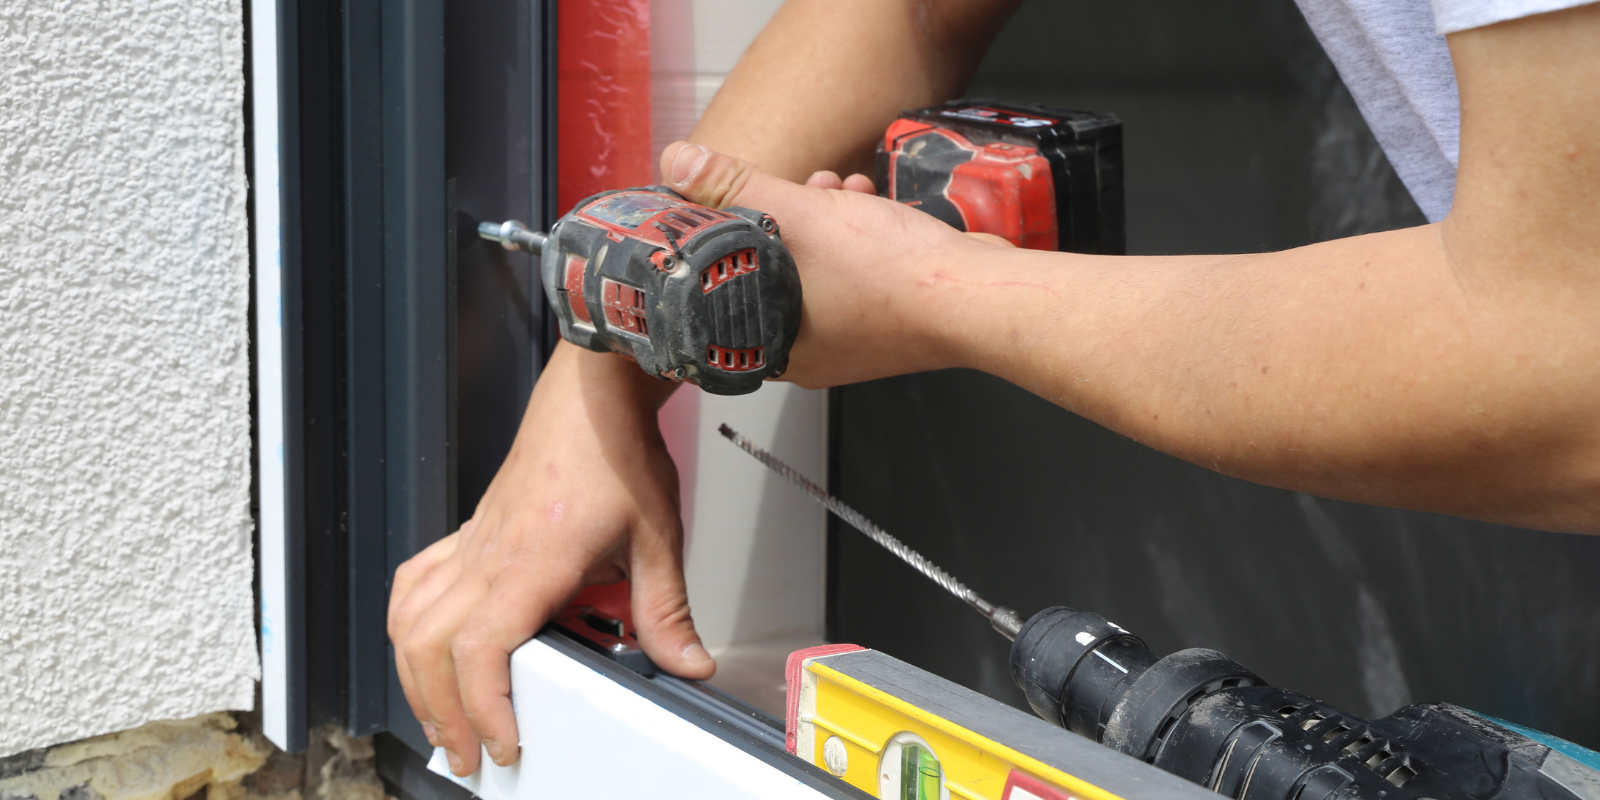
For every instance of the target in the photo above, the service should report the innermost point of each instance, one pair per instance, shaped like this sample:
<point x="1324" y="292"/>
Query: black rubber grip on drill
<point x="1051" y="661"/>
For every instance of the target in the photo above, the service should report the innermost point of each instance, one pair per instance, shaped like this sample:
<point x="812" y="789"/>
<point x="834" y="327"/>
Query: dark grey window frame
<point x="369" y="257"/>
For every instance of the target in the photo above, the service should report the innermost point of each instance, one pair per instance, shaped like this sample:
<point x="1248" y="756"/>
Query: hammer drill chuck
<point x="1199" y="715"/>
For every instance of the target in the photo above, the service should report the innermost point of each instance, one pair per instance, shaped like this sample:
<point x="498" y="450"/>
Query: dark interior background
<point x="1239" y="137"/>
<point x="493" y="155"/>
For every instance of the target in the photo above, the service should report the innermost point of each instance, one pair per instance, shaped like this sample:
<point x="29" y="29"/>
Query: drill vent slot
<point x="1335" y="732"/>
<point x="625" y="308"/>
<point x="1379" y="757"/>
<point x="736" y="359"/>
<point x="1362" y="741"/>
<point x="727" y="268"/>
<point x="685" y="222"/>
<point x="576" y="267"/>
<point x="1401" y="775"/>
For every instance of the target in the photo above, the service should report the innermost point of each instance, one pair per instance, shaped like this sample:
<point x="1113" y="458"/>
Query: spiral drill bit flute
<point x="1004" y="620"/>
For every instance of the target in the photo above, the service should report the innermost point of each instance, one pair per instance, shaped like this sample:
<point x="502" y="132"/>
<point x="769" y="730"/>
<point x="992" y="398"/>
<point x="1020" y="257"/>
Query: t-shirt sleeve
<point x="1450" y="16"/>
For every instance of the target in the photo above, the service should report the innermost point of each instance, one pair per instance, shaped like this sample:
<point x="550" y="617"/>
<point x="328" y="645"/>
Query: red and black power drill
<point x="1041" y="178"/>
<point x="689" y="292"/>
<point x="713" y="297"/>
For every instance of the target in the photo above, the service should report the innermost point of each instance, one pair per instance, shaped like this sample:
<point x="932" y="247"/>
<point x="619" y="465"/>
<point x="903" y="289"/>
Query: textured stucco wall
<point x="125" y="571"/>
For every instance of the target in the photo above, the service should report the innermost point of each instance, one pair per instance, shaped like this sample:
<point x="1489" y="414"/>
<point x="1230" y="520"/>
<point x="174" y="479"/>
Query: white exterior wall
<point x="125" y="566"/>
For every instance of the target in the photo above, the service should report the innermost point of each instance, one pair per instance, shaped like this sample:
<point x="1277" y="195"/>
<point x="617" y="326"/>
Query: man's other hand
<point x="588" y="494"/>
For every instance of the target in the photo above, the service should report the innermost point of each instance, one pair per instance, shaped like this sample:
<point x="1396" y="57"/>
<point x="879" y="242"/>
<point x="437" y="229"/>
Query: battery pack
<point x="1041" y="178"/>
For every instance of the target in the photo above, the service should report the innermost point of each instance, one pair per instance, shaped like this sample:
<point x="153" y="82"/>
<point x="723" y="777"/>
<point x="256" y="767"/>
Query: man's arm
<point x="588" y="493"/>
<point x="1451" y="367"/>
<point x="824" y="79"/>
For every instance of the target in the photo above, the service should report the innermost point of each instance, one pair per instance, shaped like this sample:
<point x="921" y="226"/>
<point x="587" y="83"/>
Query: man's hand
<point x="857" y="254"/>
<point x="587" y="495"/>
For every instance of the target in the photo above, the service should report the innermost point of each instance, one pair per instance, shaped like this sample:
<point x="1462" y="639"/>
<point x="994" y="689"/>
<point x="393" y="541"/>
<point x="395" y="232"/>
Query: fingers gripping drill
<point x="690" y="293"/>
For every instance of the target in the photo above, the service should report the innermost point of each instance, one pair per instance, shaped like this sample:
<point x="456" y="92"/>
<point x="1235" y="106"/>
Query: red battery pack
<point x="1041" y="178"/>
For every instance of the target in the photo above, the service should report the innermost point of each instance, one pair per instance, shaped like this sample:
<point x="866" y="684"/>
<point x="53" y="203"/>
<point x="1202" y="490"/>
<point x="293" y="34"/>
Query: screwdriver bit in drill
<point x="1004" y="620"/>
<point x="513" y="235"/>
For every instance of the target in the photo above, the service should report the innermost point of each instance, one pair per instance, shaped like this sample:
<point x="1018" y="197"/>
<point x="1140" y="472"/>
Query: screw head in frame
<point x="508" y="232"/>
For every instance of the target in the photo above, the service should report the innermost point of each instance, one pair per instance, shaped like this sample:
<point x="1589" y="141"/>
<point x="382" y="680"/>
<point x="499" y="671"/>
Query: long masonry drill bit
<point x="1004" y="620"/>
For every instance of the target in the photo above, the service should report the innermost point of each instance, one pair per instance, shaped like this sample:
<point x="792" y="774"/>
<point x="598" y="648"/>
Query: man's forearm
<point x="1366" y="369"/>
<point x="1453" y="367"/>
<point x="615" y="383"/>
<point x="824" y="79"/>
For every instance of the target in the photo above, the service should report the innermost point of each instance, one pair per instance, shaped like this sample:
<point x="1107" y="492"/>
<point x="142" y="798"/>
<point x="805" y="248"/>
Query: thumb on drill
<point x="719" y="181"/>
<point x="661" y="611"/>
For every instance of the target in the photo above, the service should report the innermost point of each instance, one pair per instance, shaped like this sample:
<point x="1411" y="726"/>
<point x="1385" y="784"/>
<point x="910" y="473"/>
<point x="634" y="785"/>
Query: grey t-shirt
<point x="1392" y="56"/>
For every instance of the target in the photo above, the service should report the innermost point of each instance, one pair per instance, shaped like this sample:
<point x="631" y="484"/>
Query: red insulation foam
<point x="603" y="97"/>
<point x="602" y="135"/>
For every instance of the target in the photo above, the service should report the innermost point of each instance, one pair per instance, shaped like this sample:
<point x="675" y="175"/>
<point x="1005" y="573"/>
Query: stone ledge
<point x="205" y="758"/>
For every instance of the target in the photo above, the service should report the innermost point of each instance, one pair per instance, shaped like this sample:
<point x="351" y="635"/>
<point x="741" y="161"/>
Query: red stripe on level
<point x="791" y="679"/>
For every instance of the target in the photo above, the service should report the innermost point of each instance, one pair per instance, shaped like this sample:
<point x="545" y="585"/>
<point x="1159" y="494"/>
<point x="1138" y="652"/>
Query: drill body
<point x="690" y="293"/>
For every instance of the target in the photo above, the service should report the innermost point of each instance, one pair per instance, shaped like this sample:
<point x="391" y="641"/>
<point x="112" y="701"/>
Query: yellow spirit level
<point x="901" y="733"/>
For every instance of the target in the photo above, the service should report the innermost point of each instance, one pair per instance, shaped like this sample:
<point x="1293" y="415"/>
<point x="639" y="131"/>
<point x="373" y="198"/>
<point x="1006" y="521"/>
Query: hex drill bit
<point x="1004" y="620"/>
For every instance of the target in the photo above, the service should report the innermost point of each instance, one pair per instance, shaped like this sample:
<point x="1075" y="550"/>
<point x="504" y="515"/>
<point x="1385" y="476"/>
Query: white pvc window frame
<point x="271" y="421"/>
<point x="586" y="735"/>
